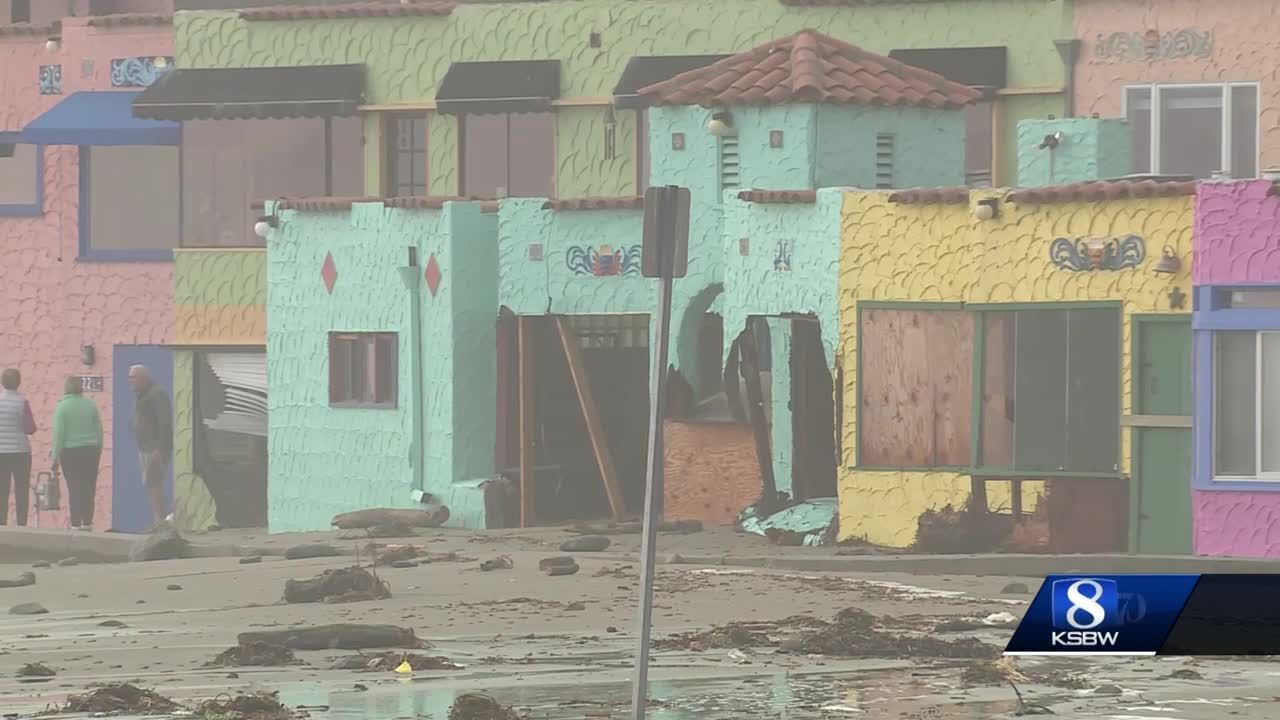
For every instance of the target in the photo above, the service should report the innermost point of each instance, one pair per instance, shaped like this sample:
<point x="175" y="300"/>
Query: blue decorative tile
<point x="50" y="79"/>
<point x="137" y="71"/>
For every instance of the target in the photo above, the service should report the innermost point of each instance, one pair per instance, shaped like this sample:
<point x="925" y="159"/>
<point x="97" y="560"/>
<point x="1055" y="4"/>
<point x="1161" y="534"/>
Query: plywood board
<point x="895" y="399"/>
<point x="595" y="429"/>
<point x="950" y="354"/>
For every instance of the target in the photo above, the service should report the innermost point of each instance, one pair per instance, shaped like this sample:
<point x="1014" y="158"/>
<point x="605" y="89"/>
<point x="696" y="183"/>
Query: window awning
<point x="645" y="70"/>
<point x="98" y="118"/>
<point x="979" y="67"/>
<point x="515" y="86"/>
<point x="253" y="92"/>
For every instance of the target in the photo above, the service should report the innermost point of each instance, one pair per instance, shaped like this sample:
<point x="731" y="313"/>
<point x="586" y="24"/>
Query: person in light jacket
<point x="77" y="449"/>
<point x="17" y="424"/>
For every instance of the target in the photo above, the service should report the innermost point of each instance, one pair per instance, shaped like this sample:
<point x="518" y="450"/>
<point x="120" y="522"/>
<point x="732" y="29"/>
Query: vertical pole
<point x="652" y="496"/>
<point x="524" y="341"/>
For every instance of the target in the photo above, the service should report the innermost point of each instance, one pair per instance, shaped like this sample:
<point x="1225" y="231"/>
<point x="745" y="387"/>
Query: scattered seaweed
<point x="36" y="670"/>
<point x="341" y="585"/>
<point x="481" y="707"/>
<point x="255" y="654"/>
<point x="121" y="699"/>
<point x="252" y="706"/>
<point x="386" y="662"/>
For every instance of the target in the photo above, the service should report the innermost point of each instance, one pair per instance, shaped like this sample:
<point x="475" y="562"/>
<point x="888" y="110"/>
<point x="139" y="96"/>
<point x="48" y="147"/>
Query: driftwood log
<point x="23" y="580"/>
<point x="428" y="516"/>
<point x="340" y="637"/>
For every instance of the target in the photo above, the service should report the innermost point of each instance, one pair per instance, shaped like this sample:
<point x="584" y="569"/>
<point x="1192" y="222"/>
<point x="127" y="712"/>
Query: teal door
<point x="1161" y="436"/>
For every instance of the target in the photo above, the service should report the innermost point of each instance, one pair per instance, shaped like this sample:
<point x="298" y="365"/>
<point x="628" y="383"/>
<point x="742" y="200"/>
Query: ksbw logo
<point x="1084" y="613"/>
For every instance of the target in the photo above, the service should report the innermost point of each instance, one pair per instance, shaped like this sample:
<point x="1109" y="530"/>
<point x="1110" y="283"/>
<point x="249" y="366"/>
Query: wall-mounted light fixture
<point x="986" y="209"/>
<point x="265" y="225"/>
<point x="721" y="124"/>
<point x="52" y="44"/>
<point x="87" y="355"/>
<point x="1168" y="264"/>
<point x="161" y="62"/>
<point x="1051" y="141"/>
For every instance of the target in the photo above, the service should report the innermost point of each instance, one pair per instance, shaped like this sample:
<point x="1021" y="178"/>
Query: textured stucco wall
<point x="1090" y="149"/>
<point x="781" y="444"/>
<point x="940" y="253"/>
<point x="928" y="146"/>
<point x="408" y="57"/>
<point x="51" y="304"/>
<point x="763" y="167"/>
<point x="328" y="460"/>
<point x="1243" y="50"/>
<point x="1236" y="524"/>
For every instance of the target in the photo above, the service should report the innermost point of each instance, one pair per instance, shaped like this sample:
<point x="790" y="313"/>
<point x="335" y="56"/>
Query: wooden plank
<point x="894" y="395"/>
<point x="748" y="358"/>
<point x="1156" y="421"/>
<point x="997" y="390"/>
<point x="949" y="338"/>
<point x="590" y="413"/>
<point x="525" y="330"/>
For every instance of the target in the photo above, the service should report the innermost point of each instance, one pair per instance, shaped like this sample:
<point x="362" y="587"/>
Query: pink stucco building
<point x="1208" y="69"/>
<point x="88" y="220"/>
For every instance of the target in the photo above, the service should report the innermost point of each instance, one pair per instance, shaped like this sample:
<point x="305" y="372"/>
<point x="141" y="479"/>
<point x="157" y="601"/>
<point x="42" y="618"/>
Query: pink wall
<point x="1244" y="50"/>
<point x="1237" y="235"/>
<point x="50" y="304"/>
<point x="1236" y="524"/>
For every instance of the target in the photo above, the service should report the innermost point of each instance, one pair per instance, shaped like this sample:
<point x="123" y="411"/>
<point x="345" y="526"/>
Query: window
<point x="1246" y="425"/>
<point x="363" y="369"/>
<point x="228" y="165"/>
<point x="507" y="155"/>
<point x="20" y="11"/>
<point x="21" y="178"/>
<point x="128" y="202"/>
<point x="978" y="148"/>
<point x="406" y="162"/>
<point x="1194" y="129"/>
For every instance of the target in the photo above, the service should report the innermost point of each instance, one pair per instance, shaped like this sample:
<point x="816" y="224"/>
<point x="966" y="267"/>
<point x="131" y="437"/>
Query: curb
<point x="997" y="565"/>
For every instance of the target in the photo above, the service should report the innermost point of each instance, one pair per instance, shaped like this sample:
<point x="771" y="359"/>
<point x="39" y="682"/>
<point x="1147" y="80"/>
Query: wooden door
<point x="1161" y="435"/>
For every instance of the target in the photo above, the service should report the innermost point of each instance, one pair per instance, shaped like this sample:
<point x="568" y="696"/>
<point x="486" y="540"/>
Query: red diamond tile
<point x="433" y="275"/>
<point x="329" y="272"/>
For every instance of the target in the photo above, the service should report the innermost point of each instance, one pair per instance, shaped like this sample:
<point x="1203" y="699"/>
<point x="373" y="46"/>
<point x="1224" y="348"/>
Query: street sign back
<point x="666" y="232"/>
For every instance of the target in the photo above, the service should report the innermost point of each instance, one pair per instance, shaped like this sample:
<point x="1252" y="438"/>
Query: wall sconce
<point x="52" y="45"/>
<point x="1051" y="141"/>
<point x="87" y="355"/>
<point x="1168" y="264"/>
<point x="721" y="124"/>
<point x="265" y="225"/>
<point x="161" y="62"/>
<point x="986" y="209"/>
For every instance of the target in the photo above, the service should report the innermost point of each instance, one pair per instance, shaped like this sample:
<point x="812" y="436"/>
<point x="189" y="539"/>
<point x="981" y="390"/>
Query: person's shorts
<point x="153" y="470"/>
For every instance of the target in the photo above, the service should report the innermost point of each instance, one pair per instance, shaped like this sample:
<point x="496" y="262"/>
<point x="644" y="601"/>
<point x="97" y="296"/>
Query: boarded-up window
<point x="508" y="155"/>
<point x="1051" y="396"/>
<point x="915" y="387"/>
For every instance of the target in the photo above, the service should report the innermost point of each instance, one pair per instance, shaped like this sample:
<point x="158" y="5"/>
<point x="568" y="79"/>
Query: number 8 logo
<point x="1086" y="603"/>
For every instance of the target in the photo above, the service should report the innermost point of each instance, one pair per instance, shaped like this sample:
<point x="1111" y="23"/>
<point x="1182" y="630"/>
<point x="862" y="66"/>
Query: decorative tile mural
<point x="1152" y="45"/>
<point x="782" y="258"/>
<point x="138" y="71"/>
<point x="50" y="79"/>
<point x="604" y="262"/>
<point x="1097" y="254"/>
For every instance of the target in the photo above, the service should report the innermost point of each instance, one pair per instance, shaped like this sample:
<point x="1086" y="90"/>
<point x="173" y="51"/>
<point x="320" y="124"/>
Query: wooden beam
<point x="747" y="352"/>
<point x="1156" y="421"/>
<point x="524" y="332"/>
<point x="599" y="441"/>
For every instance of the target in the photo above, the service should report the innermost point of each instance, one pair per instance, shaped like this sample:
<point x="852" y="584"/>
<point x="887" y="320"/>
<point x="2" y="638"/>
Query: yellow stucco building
<point x="992" y="334"/>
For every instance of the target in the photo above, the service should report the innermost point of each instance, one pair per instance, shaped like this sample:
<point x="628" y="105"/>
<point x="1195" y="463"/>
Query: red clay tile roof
<point x="1103" y="190"/>
<point x="785" y="197"/>
<point x="419" y="8"/>
<point x="29" y="29"/>
<point x="848" y="3"/>
<point x="345" y="203"/>
<point x="626" y="202"/>
<point x="810" y="67"/>
<point x="931" y="196"/>
<point x="130" y="20"/>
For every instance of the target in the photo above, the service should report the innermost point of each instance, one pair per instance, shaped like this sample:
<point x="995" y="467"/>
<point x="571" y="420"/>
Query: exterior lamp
<point x="721" y="124"/>
<point x="1168" y="264"/>
<point x="161" y="62"/>
<point x="87" y="355"/>
<point x="986" y="209"/>
<point x="265" y="225"/>
<point x="52" y="45"/>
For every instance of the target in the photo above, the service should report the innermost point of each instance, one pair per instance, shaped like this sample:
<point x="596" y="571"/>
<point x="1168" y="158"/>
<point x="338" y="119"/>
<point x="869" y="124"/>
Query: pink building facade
<point x="1236" y="392"/>
<point x="88" y="220"/>
<point x="1195" y="80"/>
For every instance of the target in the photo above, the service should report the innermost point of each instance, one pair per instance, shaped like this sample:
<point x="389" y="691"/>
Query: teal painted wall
<point x="328" y="460"/>
<point x="781" y="425"/>
<point x="928" y="148"/>
<point x="1090" y="149"/>
<point x="763" y="167"/>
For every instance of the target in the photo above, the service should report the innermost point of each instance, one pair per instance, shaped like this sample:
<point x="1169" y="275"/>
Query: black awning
<point x="513" y="86"/>
<point x="979" y="67"/>
<point x="253" y="92"/>
<point x="645" y="70"/>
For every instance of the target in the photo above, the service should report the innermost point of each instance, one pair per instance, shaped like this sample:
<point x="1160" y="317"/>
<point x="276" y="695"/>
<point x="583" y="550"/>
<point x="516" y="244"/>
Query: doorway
<point x="1161" y="427"/>
<point x="229" y="434"/>
<point x="130" y="508"/>
<point x="813" y="414"/>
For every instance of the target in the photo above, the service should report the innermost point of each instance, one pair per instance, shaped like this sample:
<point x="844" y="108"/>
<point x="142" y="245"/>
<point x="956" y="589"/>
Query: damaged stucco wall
<point x="940" y="253"/>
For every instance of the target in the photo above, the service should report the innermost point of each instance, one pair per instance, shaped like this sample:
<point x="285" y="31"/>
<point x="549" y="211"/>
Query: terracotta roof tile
<point x="788" y="197"/>
<point x="1103" y="190"/>
<point x="321" y="203"/>
<point x="810" y="67"/>
<point x="21" y="29"/>
<point x="848" y="3"/>
<point x="626" y="202"/>
<point x="422" y="8"/>
<point x="130" y="20"/>
<point x="931" y="196"/>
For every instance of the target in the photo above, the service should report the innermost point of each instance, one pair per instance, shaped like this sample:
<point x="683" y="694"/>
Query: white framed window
<point x="1246" y="423"/>
<point x="1193" y="129"/>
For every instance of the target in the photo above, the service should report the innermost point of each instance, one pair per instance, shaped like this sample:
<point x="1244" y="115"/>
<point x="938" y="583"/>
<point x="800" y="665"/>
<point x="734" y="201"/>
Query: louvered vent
<point x="729" y="170"/>
<point x="884" y="160"/>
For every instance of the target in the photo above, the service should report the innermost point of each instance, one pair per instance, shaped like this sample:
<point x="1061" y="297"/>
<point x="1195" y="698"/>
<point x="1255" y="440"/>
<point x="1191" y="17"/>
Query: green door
<point x="1161" y="435"/>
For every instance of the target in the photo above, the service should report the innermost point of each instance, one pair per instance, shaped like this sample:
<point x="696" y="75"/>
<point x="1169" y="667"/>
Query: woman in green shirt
<point x="77" y="448"/>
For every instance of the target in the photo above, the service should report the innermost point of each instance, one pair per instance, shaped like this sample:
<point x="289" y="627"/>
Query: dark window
<point x="1194" y="129"/>
<point x="363" y="369"/>
<point x="406" y="171"/>
<point x="508" y="155"/>
<point x="20" y="11"/>
<point x="978" y="146"/>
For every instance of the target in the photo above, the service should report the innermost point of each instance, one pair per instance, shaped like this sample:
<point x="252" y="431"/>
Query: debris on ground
<point x="254" y="654"/>
<point x="481" y="707"/>
<point x="733" y="635"/>
<point x="69" y="562"/>
<point x="993" y="672"/>
<point x="801" y="524"/>
<point x="253" y="706"/>
<point x="28" y="608"/>
<point x="311" y="550"/>
<point x="340" y="585"/>
<point x="502" y="562"/>
<point x="1185" y="674"/>
<point x="999" y="619"/>
<point x="558" y="566"/>
<point x="428" y="517"/>
<point x="575" y="607"/>
<point x="391" y="660"/>
<point x="251" y="560"/>
<point x="1015" y="588"/>
<point x="173" y="587"/>
<point x="40" y="565"/>
<point x="586" y="543"/>
<point x="23" y="580"/>
<point x="337" y="637"/>
<point x="969" y="530"/>
<point x="36" y="669"/>
<point x="1025" y="708"/>
<point x="112" y="624"/>
<point x="163" y="543"/>
<point x="388" y="531"/>
<point x="121" y="699"/>
<point x="681" y="527"/>
<point x="393" y="555"/>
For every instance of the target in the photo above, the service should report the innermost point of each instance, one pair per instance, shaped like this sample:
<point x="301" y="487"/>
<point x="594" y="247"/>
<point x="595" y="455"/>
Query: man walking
<point x="153" y="428"/>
